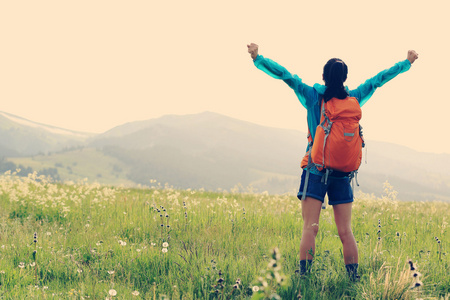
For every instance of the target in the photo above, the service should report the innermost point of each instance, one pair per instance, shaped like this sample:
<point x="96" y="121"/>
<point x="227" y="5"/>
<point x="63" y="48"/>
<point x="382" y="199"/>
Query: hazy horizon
<point x="61" y="130"/>
<point x="90" y="66"/>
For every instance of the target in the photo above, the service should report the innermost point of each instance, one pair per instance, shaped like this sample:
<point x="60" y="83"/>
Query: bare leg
<point x="343" y="219"/>
<point x="311" y="212"/>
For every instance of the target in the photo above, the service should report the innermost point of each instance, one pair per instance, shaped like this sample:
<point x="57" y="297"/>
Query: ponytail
<point x="335" y="74"/>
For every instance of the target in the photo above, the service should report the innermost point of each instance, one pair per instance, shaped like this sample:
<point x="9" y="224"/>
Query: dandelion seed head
<point x="165" y="244"/>
<point x="164" y="250"/>
<point x="411" y="264"/>
<point x="135" y="293"/>
<point x="416" y="274"/>
<point x="255" y="288"/>
<point x="272" y="263"/>
<point x="276" y="252"/>
<point x="112" y="292"/>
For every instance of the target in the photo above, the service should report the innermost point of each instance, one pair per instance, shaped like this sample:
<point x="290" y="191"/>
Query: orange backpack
<point x="338" y="142"/>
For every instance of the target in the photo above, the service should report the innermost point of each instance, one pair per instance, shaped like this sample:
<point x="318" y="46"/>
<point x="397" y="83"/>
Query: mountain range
<point x="209" y="151"/>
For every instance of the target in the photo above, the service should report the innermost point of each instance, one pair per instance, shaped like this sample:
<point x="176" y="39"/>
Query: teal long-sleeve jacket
<point x="310" y="97"/>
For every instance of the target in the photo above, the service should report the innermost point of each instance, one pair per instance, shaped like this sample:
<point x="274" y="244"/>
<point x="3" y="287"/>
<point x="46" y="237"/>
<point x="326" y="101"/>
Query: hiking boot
<point x="352" y="271"/>
<point x="305" y="267"/>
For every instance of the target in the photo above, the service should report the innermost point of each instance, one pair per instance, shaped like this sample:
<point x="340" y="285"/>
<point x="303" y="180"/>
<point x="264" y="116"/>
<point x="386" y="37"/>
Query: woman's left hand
<point x="412" y="56"/>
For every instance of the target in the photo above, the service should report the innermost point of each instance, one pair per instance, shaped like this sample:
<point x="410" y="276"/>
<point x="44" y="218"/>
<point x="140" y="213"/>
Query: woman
<point x="337" y="186"/>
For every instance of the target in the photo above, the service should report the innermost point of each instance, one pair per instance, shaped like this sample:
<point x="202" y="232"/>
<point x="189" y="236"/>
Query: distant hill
<point x="212" y="151"/>
<point x="206" y="150"/>
<point x="21" y="137"/>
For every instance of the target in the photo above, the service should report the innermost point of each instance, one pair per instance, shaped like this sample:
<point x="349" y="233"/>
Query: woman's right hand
<point x="253" y="50"/>
<point x="412" y="56"/>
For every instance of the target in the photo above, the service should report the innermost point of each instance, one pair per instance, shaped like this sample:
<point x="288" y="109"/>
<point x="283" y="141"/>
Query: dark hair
<point x="335" y="73"/>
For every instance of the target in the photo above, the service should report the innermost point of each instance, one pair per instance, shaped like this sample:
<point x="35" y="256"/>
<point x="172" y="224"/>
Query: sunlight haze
<point x="92" y="65"/>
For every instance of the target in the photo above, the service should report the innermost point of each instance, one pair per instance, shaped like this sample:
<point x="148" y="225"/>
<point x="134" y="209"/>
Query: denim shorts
<point x="339" y="189"/>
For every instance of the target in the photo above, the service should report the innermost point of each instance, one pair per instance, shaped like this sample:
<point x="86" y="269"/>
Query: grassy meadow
<point x="88" y="241"/>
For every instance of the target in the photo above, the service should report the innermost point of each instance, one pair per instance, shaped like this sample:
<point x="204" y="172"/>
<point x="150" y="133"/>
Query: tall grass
<point x="87" y="241"/>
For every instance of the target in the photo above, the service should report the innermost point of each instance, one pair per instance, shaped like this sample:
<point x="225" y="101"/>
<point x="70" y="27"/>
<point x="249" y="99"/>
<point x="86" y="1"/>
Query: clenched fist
<point x="412" y="56"/>
<point x="253" y="50"/>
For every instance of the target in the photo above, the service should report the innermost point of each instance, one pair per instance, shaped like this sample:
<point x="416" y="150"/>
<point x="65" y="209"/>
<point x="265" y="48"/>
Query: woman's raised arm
<point x="366" y="90"/>
<point x="303" y="91"/>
